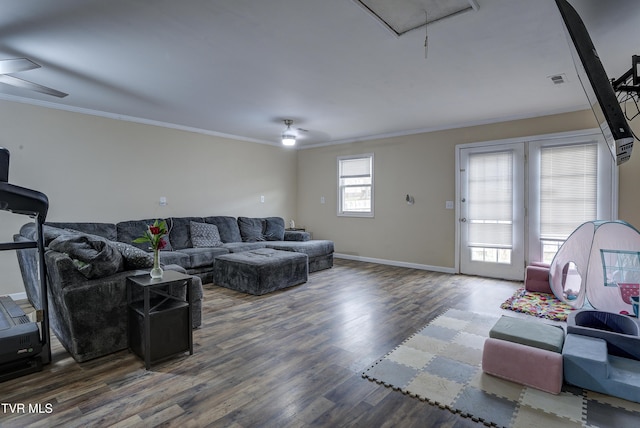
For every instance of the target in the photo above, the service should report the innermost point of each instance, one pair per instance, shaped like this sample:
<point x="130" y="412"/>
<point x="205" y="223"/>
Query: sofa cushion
<point x="180" y="231"/>
<point x="238" y="247"/>
<point x="251" y="229"/>
<point x="296" y="235"/>
<point x="227" y="227"/>
<point x="175" y="258"/>
<point x="314" y="248"/>
<point x="203" y="257"/>
<point x="94" y="257"/>
<point x="127" y="231"/>
<point x="205" y="235"/>
<point x="274" y="229"/>
<point x="106" y="230"/>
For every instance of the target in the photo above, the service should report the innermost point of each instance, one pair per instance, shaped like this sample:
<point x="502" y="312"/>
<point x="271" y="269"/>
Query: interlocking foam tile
<point x="438" y="332"/>
<point x="528" y="417"/>
<point x="470" y="340"/>
<point x="426" y="343"/>
<point x="485" y="406"/>
<point x="450" y="323"/>
<point x="437" y="389"/>
<point x="565" y="404"/>
<point x="455" y="351"/>
<point x="392" y="373"/>
<point x="411" y="357"/>
<point x="451" y="369"/>
<point x="441" y="364"/>
<point x="497" y="386"/>
<point x="600" y="414"/>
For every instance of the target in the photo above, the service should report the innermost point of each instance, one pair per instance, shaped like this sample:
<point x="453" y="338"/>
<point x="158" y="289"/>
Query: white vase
<point x="157" y="271"/>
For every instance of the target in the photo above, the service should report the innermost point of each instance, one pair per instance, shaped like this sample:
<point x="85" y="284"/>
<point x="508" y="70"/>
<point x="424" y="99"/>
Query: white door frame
<point x="525" y="139"/>
<point x="514" y="270"/>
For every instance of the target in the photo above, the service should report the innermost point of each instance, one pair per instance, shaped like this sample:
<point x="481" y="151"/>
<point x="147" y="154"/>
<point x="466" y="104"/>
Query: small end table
<point x="160" y="325"/>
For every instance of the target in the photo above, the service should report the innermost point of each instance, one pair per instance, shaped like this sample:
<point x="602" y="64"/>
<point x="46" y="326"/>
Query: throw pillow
<point x="134" y="258"/>
<point x="250" y="229"/>
<point x="274" y="229"/>
<point x="205" y="235"/>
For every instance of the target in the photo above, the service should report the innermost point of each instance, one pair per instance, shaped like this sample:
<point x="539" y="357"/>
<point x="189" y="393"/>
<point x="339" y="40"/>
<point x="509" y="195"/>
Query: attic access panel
<point x="402" y="16"/>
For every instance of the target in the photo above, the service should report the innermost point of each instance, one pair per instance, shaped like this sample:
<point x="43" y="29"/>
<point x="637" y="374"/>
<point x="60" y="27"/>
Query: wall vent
<point x="558" y="79"/>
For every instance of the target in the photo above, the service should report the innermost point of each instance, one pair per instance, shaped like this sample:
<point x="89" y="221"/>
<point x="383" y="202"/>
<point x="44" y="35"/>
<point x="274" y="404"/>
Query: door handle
<point x="463" y="220"/>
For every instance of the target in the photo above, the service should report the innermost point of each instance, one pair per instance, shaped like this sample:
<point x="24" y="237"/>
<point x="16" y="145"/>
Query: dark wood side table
<point x="160" y="325"/>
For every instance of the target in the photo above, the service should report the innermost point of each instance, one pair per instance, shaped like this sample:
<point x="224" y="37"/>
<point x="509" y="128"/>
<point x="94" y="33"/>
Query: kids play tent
<point x="599" y="263"/>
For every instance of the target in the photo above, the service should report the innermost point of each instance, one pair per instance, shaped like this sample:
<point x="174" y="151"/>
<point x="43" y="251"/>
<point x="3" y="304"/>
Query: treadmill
<point x="24" y="344"/>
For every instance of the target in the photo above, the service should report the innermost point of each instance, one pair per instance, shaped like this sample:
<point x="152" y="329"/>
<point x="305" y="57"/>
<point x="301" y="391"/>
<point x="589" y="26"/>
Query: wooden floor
<point x="288" y="359"/>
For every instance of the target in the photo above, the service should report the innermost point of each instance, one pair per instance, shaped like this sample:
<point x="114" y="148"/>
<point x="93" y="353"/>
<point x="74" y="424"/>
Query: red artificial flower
<point x="161" y="244"/>
<point x="154" y="235"/>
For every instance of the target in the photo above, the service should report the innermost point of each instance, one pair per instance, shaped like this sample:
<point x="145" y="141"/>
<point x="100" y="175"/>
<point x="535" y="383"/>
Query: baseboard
<point x="18" y="296"/>
<point x="395" y="263"/>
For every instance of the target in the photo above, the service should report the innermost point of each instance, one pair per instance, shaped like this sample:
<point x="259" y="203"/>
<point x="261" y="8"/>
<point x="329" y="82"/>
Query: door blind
<point x="568" y="189"/>
<point x="490" y="200"/>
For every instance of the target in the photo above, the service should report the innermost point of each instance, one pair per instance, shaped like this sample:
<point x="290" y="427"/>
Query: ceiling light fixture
<point x="288" y="136"/>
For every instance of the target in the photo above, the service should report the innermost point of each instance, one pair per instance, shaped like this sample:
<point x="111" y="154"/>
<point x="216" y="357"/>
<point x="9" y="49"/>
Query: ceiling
<point x="238" y="68"/>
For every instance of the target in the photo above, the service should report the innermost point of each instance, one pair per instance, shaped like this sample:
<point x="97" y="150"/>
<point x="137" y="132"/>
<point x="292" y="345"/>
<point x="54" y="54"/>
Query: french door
<point x="519" y="200"/>
<point x="491" y="211"/>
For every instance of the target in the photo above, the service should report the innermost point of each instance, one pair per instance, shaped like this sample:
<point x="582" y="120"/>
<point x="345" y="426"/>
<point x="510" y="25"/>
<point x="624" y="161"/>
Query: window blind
<point x="359" y="167"/>
<point x="568" y="189"/>
<point x="355" y="186"/>
<point x="490" y="200"/>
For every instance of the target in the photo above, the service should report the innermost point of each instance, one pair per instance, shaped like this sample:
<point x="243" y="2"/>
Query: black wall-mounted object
<point x="620" y="84"/>
<point x="597" y="85"/>
<point x="4" y="165"/>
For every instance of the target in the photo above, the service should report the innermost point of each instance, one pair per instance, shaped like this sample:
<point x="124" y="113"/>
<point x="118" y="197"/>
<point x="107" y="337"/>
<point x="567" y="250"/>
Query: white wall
<point x="423" y="165"/>
<point x="98" y="169"/>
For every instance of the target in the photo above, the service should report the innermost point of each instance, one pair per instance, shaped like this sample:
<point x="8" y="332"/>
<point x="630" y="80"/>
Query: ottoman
<point x="319" y="251"/>
<point x="525" y="352"/>
<point x="260" y="271"/>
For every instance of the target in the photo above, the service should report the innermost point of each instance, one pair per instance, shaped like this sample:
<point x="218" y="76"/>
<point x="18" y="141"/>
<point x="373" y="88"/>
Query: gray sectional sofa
<point x="88" y="263"/>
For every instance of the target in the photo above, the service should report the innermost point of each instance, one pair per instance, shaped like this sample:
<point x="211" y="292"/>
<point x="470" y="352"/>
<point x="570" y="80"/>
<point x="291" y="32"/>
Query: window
<point x="568" y="189"/>
<point x="355" y="185"/>
<point x="572" y="180"/>
<point x="620" y="267"/>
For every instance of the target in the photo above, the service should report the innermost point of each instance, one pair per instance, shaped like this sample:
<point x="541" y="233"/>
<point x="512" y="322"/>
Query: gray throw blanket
<point x="93" y="256"/>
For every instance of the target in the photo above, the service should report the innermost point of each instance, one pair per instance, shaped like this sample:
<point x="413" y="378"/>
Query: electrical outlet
<point x="322" y="199"/>
<point x="448" y="205"/>
<point x="163" y="201"/>
<point x="262" y="199"/>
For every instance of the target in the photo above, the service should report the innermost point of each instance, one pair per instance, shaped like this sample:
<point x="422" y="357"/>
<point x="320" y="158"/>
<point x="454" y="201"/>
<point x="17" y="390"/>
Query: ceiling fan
<point x="289" y="135"/>
<point x="15" y="65"/>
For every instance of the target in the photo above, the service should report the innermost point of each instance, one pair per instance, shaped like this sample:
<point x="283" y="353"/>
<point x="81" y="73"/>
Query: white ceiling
<point x="239" y="67"/>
